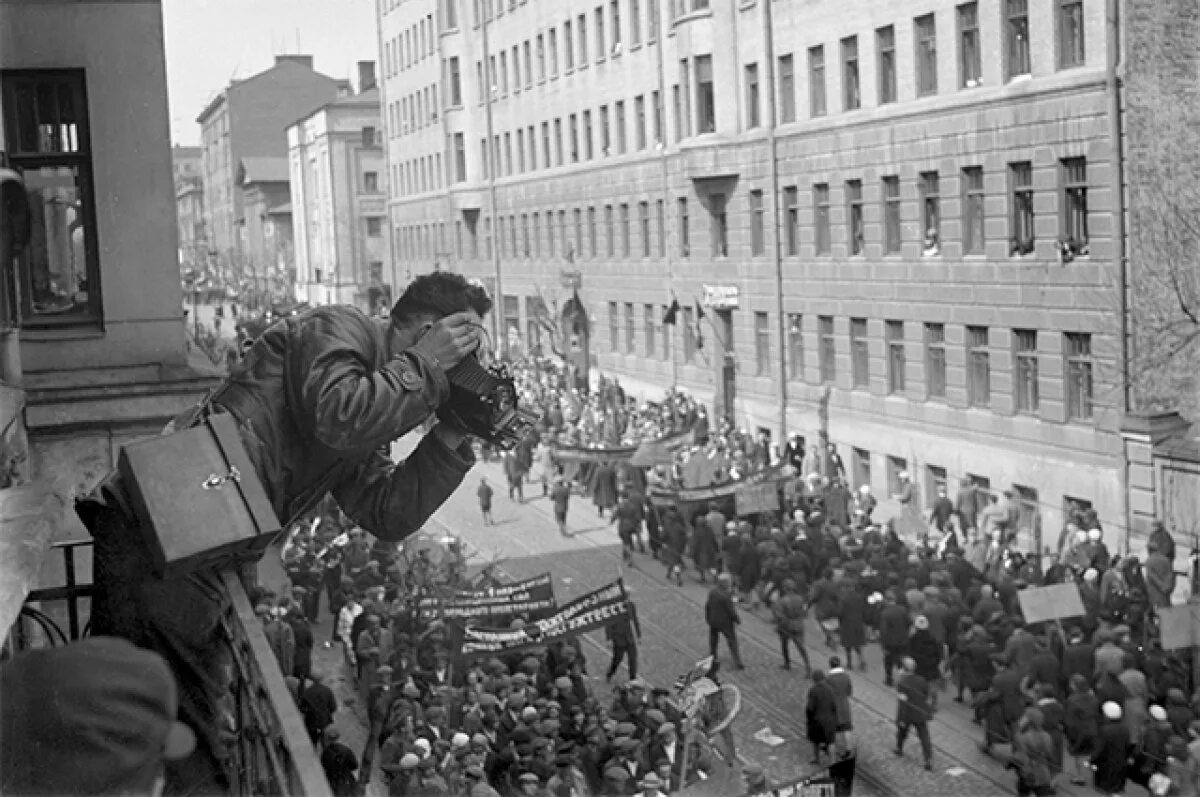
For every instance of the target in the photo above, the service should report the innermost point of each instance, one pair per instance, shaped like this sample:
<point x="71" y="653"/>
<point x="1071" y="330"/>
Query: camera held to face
<point x="483" y="402"/>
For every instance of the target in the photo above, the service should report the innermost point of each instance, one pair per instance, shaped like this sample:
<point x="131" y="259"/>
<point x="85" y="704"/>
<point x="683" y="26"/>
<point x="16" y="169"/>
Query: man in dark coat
<point x="624" y="635"/>
<point x="704" y="546"/>
<point x="604" y="487"/>
<point x="1111" y="757"/>
<point x="315" y="400"/>
<point x="317" y="707"/>
<point x="852" y="627"/>
<point x="722" y="617"/>
<point x="675" y="537"/>
<point x="1004" y="703"/>
<point x="790" y="611"/>
<point x="339" y="763"/>
<point x="628" y="517"/>
<point x="821" y="715"/>
<point x="912" y="711"/>
<point x="893" y="635"/>
<point x="927" y="653"/>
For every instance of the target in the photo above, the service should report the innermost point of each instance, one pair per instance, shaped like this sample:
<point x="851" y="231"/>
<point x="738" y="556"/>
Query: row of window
<point x="414" y="111"/>
<point x="1077" y="352"/>
<point x="415" y="44"/>
<point x="1015" y="54"/>
<point x="581" y="233"/>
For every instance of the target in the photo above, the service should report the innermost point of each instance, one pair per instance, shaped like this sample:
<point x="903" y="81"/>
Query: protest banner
<point x="1054" y="602"/>
<point x="532" y="597"/>
<point x="590" y="612"/>
<point x="1177" y="625"/>
<point x="754" y="498"/>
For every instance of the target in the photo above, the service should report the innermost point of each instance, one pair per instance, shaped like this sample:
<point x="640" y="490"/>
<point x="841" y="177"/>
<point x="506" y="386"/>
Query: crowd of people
<point x="528" y="723"/>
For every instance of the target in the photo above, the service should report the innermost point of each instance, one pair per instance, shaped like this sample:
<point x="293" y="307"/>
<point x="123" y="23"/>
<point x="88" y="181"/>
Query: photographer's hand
<point x="451" y="339"/>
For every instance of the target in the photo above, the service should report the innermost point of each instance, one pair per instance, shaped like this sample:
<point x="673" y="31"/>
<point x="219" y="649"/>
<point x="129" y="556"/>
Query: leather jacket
<point x="319" y="399"/>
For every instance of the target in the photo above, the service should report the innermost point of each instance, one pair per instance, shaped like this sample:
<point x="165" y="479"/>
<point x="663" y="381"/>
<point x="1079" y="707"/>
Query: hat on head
<point x="528" y="777"/>
<point x="1112" y="710"/>
<point x="384" y="670"/>
<point x="409" y="761"/>
<point x="460" y="740"/>
<point x="619" y="774"/>
<point x="665" y="728"/>
<point x="410" y="690"/>
<point x="529" y="713"/>
<point x="655" y="717"/>
<point x="480" y="739"/>
<point x="1159" y="713"/>
<point x="650" y="781"/>
<point x="563" y="683"/>
<point x="488" y="699"/>
<point x="423" y="744"/>
<point x="474" y="771"/>
<point x="922" y="622"/>
<point x="91" y="717"/>
<point x="626" y="729"/>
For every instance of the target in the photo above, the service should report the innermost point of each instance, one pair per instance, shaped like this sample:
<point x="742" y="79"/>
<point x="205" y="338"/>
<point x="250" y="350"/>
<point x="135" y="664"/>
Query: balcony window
<point x="49" y="142"/>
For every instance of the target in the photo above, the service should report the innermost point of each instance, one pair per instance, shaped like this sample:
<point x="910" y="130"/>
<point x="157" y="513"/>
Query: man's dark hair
<point x="439" y="294"/>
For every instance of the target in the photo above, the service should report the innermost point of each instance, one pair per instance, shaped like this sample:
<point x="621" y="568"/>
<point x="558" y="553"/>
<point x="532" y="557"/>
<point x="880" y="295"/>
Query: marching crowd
<point x="1093" y="698"/>
<point x="528" y="723"/>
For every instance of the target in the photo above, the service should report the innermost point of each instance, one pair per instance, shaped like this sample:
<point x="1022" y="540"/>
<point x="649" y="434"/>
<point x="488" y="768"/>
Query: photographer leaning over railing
<point x="316" y="400"/>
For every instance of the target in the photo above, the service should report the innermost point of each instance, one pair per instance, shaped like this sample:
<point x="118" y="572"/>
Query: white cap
<point x="1091" y="574"/>
<point x="1081" y="536"/>
<point x="423" y="744"/>
<point x="1111" y="710"/>
<point x="460" y="739"/>
<point x="1159" y="713"/>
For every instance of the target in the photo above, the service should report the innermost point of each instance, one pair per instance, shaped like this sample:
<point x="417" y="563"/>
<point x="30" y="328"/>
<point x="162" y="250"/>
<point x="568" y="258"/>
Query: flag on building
<point x="672" y="313"/>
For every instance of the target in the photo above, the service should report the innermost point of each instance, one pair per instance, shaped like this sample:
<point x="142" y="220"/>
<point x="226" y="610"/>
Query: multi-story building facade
<point x="338" y="183"/>
<point x="189" y="206"/>
<point x="247" y="119"/>
<point x="102" y="345"/>
<point x="266" y="230"/>
<point x="941" y="201"/>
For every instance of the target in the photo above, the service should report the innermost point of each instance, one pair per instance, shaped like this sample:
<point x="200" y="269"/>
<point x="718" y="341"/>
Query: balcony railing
<point x="273" y="754"/>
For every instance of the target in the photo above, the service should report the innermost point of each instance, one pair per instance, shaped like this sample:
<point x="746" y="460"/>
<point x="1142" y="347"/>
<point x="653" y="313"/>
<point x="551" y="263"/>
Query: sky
<point x="209" y="42"/>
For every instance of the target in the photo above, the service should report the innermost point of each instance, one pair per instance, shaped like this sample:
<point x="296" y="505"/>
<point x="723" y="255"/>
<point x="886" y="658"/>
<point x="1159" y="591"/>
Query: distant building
<point x="247" y="120"/>
<point x="266" y="226"/>
<point x="338" y="181"/>
<point x="189" y="206"/>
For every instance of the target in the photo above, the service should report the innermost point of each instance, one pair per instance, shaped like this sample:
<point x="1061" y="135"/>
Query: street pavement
<point x="526" y="542"/>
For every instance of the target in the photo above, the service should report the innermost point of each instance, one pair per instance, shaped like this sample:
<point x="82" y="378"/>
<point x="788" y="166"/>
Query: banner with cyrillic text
<point x="531" y="596"/>
<point x="590" y="612"/>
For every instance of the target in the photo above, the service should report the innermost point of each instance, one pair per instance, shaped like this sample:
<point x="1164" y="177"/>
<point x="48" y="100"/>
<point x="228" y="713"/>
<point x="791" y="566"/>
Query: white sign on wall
<point x="721" y="297"/>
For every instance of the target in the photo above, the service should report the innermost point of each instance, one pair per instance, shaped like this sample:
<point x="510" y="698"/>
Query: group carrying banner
<point x="533" y="596"/>
<point x="590" y="612"/>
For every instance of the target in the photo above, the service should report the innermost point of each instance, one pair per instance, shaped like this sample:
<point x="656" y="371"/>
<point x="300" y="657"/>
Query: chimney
<point x="305" y="61"/>
<point x="366" y="76"/>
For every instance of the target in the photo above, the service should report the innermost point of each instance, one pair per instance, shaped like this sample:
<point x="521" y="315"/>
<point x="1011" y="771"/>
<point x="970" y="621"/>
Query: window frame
<point x="925" y="61"/>
<point x="851" y="74"/>
<point x="1022" y="227"/>
<point x="856" y="234"/>
<point x="970" y="55"/>
<point x="935" y="360"/>
<point x="791" y="220"/>
<point x="979" y="367"/>
<point x="1026" y="398"/>
<point x="22" y="160"/>
<point x="885" y="47"/>
<point x="762" y="343"/>
<point x="860" y="354"/>
<point x="1072" y="32"/>
<point x="827" y="349"/>
<point x="786" y="70"/>
<point x="893" y="232"/>
<point x="757" y="207"/>
<point x="1017" y="57"/>
<point x="795" y="344"/>
<point x="974" y="209"/>
<point x="1080" y="376"/>
<point x="897" y="357"/>
<point x="822" y="232"/>
<point x="1073" y="202"/>
<point x="818" y="100"/>
<point x="753" y="102"/>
